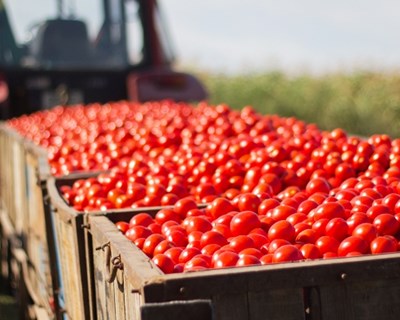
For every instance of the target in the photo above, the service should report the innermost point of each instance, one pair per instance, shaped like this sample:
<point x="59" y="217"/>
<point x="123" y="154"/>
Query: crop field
<point x="362" y="103"/>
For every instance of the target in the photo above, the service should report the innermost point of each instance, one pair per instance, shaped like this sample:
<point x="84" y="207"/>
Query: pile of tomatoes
<point x="242" y="188"/>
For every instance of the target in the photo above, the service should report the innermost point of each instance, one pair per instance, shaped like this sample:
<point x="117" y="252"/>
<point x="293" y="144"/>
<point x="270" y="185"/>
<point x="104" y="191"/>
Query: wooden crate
<point x="13" y="187"/>
<point x="365" y="287"/>
<point x="75" y="265"/>
<point x="23" y="172"/>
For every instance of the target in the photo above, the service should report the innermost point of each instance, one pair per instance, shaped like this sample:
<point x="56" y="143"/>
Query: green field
<point x="362" y="102"/>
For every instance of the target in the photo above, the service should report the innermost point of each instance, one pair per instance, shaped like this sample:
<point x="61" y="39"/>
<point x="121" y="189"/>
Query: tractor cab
<point x="67" y="52"/>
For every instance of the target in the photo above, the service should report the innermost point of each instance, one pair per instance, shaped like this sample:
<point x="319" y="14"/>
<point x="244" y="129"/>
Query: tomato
<point x="165" y="214"/>
<point x="243" y="222"/>
<point x="141" y="219"/>
<point x="151" y="243"/>
<point x="197" y="223"/>
<point x="327" y="244"/>
<point x="250" y="251"/>
<point x="273" y="245"/>
<point x="174" y="253"/>
<point x="383" y="244"/>
<point x="219" y="207"/>
<point x="282" y="230"/>
<point x="122" y="226"/>
<point x="198" y="262"/>
<point x="269" y="204"/>
<point x="281" y="212"/>
<point x="212" y="237"/>
<point x="164" y="263"/>
<point x="182" y="206"/>
<point x="225" y="259"/>
<point x="318" y="185"/>
<point x="136" y="232"/>
<point x="310" y="251"/>
<point x="386" y="224"/>
<point x="188" y="253"/>
<point x="178" y="237"/>
<point x="287" y="253"/>
<point x="241" y="242"/>
<point x="248" y="202"/>
<point x="366" y="231"/>
<point x="337" y="228"/>
<point x="247" y="260"/>
<point x="329" y="210"/>
<point x="352" y="244"/>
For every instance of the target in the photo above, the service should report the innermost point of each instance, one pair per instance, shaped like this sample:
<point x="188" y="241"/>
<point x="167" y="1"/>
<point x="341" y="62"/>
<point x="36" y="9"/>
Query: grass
<point x="362" y="103"/>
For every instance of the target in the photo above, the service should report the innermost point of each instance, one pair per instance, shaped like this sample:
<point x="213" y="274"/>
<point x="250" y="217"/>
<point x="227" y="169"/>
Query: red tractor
<point x="69" y="52"/>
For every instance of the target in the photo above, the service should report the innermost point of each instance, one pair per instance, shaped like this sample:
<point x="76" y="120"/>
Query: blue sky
<point x="308" y="35"/>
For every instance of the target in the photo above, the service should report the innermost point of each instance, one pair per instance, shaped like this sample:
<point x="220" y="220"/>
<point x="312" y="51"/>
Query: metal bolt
<point x="343" y="276"/>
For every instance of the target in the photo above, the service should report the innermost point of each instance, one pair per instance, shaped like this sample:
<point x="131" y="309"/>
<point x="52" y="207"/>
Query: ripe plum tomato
<point x="243" y="222"/>
<point x="282" y="230"/>
<point x="281" y="212"/>
<point x="251" y="251"/>
<point x="287" y="253"/>
<point x="136" y="232"/>
<point x="337" y="228"/>
<point x="248" y="260"/>
<point x="327" y="244"/>
<point x="165" y="214"/>
<point x="141" y="219"/>
<point x="174" y="253"/>
<point x="219" y="207"/>
<point x="366" y="230"/>
<point x="122" y="226"/>
<point x="310" y="251"/>
<point x="329" y="210"/>
<point x="188" y="253"/>
<point x="162" y="247"/>
<point x="267" y="205"/>
<point x="151" y="243"/>
<point x="383" y="244"/>
<point x="318" y="185"/>
<point x="352" y="244"/>
<point x="386" y="224"/>
<point x="182" y="206"/>
<point x="225" y="259"/>
<point x="197" y="223"/>
<point x="164" y="263"/>
<point x="248" y="201"/>
<point x="273" y="245"/>
<point x="212" y="237"/>
<point x="241" y="242"/>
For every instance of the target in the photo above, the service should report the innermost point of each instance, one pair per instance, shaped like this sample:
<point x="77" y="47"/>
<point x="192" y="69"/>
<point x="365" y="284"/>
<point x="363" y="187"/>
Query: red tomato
<point x="352" y="244"/>
<point x="219" y="207"/>
<point x="241" y="242"/>
<point x="247" y="260"/>
<point x="182" y="206"/>
<point x="282" y="230"/>
<point x="248" y="202"/>
<point x="164" y="263"/>
<point x="327" y="244"/>
<point x="383" y="244"/>
<point x="212" y="237"/>
<point x="122" y="226"/>
<point x="141" y="219"/>
<point x="243" y="222"/>
<point x="386" y="224"/>
<point x="337" y="228"/>
<point x="174" y="253"/>
<point x="367" y="231"/>
<point x="136" y="232"/>
<point x="225" y="259"/>
<point x="318" y="185"/>
<point x="197" y="223"/>
<point x="287" y="253"/>
<point x="329" y="210"/>
<point x="310" y="251"/>
<point x="151" y="243"/>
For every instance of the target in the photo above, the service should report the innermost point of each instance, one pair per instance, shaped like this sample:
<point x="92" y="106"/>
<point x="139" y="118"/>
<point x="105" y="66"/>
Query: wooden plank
<point x="276" y="304"/>
<point x="193" y="310"/>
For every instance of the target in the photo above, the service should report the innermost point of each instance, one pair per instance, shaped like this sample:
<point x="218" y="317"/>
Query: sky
<point x="308" y="35"/>
<point x="237" y="36"/>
